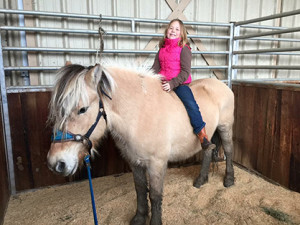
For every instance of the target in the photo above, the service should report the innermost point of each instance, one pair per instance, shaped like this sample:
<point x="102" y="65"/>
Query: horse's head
<point x="76" y="112"/>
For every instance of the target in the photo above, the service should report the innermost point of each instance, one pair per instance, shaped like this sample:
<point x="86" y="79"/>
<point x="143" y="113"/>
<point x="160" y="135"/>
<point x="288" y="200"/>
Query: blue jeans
<point x="186" y="96"/>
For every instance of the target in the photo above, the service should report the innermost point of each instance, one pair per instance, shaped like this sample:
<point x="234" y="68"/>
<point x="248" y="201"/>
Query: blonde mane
<point x="70" y="88"/>
<point x="142" y="70"/>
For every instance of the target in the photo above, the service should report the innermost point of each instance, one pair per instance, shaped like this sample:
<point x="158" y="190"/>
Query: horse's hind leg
<point x="141" y="187"/>
<point x="225" y="132"/>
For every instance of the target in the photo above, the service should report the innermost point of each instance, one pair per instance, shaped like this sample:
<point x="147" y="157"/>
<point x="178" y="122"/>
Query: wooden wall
<point x="4" y="185"/>
<point x="267" y="130"/>
<point x="28" y="113"/>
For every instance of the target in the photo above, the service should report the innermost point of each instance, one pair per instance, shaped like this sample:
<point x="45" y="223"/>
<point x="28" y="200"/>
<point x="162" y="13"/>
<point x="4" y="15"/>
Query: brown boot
<point x="205" y="143"/>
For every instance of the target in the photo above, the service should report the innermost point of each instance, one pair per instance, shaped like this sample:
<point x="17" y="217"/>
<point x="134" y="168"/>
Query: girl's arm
<point x="185" y="64"/>
<point x="156" y="65"/>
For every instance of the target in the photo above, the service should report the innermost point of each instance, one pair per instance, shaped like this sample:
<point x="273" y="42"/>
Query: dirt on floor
<point x="252" y="200"/>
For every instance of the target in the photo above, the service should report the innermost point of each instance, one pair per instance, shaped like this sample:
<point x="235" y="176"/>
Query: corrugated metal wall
<point x="196" y="10"/>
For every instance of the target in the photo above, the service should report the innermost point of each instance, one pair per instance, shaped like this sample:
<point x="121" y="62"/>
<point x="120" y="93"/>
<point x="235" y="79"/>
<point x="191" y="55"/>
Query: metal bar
<point x="274" y="39"/>
<point x="269" y="80"/>
<point x="53" y="68"/>
<point x="26" y="89"/>
<point x="268" y="83"/>
<point x="6" y="123"/>
<point x="96" y="17"/>
<point x="264" y="18"/>
<point x="31" y="68"/>
<point x="89" y="32"/>
<point x="280" y="53"/>
<point x="76" y="50"/>
<point x="289" y="30"/>
<point x="84" y="50"/>
<point x="209" y="67"/>
<point x="263" y="27"/>
<point x="23" y="43"/>
<point x="230" y="54"/>
<point x="266" y="67"/>
<point x="254" y="51"/>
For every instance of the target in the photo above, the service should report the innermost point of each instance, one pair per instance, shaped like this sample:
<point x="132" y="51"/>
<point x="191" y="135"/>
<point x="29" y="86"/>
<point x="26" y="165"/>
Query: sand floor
<point x="252" y="200"/>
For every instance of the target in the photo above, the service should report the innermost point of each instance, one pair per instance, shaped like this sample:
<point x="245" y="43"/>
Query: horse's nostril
<point x="60" y="166"/>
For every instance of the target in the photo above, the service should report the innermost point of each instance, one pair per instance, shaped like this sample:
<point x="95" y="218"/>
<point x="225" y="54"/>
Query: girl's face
<point x="174" y="30"/>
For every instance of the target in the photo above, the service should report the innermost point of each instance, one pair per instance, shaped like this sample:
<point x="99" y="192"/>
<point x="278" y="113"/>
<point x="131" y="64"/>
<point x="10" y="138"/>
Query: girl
<point x="173" y="62"/>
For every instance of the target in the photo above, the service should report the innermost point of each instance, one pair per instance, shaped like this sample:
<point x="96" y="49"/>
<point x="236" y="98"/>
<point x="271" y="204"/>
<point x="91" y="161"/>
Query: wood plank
<point x="259" y="127"/>
<point x="247" y="131"/>
<point x="276" y="154"/>
<point x="294" y="179"/>
<point x="29" y="111"/>
<point x="36" y="105"/>
<point x="244" y="126"/>
<point x="282" y="174"/>
<point x="21" y="157"/>
<point x="269" y="133"/>
<point x="31" y="140"/>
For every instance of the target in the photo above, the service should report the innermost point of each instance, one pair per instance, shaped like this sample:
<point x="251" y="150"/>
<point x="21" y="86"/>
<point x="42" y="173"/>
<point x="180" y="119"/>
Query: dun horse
<point x="150" y="126"/>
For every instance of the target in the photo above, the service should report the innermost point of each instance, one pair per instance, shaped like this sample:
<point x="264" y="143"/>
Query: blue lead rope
<point x="88" y="166"/>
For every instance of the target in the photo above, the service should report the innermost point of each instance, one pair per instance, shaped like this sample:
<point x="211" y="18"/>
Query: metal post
<point x="23" y="43"/>
<point x="132" y="26"/>
<point x="7" y="139"/>
<point x="230" y="44"/>
<point x="235" y="57"/>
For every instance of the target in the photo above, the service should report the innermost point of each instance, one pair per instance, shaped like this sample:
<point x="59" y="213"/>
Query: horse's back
<point x="215" y="100"/>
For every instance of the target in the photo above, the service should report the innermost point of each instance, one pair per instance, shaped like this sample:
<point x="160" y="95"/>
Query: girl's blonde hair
<point x="183" y="34"/>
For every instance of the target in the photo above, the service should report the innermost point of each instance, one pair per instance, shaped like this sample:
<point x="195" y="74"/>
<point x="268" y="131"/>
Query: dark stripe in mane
<point x="67" y="74"/>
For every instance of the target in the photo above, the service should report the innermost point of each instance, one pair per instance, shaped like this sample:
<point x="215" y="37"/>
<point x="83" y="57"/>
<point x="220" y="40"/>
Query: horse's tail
<point x="216" y="139"/>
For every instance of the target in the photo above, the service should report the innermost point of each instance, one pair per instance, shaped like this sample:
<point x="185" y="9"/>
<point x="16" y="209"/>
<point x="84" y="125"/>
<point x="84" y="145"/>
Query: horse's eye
<point x="82" y="110"/>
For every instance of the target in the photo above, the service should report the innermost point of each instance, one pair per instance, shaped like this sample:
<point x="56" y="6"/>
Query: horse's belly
<point x="184" y="149"/>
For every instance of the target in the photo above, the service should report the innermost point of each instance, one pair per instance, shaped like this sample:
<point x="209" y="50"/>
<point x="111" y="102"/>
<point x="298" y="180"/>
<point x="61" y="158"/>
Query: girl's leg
<point x="186" y="96"/>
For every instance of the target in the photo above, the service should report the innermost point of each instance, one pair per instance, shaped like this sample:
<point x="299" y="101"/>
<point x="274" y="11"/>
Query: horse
<point x="150" y="126"/>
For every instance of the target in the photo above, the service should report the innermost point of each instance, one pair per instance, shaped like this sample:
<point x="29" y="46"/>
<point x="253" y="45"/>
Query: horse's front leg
<point x="141" y="187"/>
<point x="157" y="172"/>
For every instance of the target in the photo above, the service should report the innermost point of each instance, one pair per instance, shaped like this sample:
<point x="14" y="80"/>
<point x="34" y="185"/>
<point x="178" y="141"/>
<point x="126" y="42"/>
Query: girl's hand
<point x="166" y="86"/>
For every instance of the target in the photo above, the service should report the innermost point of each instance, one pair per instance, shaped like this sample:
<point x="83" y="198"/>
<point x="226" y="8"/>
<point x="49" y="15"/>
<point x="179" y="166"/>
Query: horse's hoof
<point x="138" y="220"/>
<point x="228" y="181"/>
<point x="200" y="181"/>
<point x="155" y="222"/>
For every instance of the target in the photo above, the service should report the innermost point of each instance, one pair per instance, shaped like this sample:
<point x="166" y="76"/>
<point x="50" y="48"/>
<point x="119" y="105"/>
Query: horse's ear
<point x="68" y="63"/>
<point x="92" y="76"/>
<point x="106" y="82"/>
<point x="100" y="79"/>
